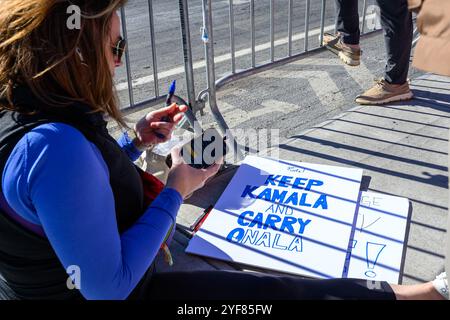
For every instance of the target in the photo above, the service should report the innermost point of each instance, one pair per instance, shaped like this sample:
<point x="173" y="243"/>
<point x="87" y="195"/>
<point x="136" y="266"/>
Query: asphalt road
<point x="292" y="97"/>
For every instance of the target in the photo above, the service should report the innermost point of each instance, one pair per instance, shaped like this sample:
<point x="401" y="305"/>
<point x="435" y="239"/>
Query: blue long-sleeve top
<point x="56" y="180"/>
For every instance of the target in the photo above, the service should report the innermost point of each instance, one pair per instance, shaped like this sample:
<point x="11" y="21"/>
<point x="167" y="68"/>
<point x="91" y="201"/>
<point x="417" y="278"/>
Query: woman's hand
<point x="186" y="179"/>
<point x="157" y="126"/>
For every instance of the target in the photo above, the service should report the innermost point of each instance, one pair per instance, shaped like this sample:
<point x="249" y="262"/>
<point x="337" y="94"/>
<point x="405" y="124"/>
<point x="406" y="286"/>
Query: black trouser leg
<point x="232" y="285"/>
<point x="396" y="21"/>
<point x="347" y="22"/>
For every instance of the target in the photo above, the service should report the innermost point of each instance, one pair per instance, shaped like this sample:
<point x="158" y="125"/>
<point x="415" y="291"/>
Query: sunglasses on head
<point x="119" y="48"/>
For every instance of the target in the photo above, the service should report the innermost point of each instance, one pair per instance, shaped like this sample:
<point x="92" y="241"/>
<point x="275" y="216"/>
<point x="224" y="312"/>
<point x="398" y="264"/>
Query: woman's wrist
<point x="138" y="144"/>
<point x="170" y="185"/>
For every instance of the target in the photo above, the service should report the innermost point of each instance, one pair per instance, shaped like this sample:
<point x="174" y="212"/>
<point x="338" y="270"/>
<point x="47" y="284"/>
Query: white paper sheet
<point x="379" y="237"/>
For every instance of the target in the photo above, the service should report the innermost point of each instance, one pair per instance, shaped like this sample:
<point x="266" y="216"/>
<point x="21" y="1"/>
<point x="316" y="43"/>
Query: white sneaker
<point x="441" y="285"/>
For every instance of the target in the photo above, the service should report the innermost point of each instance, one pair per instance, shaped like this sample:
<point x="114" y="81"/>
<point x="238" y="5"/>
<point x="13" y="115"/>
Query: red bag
<point x="152" y="188"/>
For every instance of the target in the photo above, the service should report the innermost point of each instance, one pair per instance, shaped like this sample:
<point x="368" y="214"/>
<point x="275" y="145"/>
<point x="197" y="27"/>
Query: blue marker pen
<point x="168" y="103"/>
<point x="173" y="86"/>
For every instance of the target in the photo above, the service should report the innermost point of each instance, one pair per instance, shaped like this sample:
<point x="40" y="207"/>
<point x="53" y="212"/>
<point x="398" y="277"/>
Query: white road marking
<point x="361" y="74"/>
<point x="320" y="81"/>
<point x="236" y="116"/>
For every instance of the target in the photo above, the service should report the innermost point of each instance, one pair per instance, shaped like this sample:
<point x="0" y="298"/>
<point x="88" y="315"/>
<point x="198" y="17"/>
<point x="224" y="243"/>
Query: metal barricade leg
<point x="232" y="42"/>
<point x="188" y="64"/>
<point x="290" y="13"/>
<point x="211" y="76"/>
<point x="363" y="23"/>
<point x="154" y="53"/>
<point x="322" y="21"/>
<point x="272" y="31"/>
<point x="307" y="14"/>
<point x="127" y="56"/>
<point x="252" y="22"/>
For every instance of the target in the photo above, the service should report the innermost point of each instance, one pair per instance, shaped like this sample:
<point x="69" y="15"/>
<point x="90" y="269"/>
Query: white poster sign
<point x="286" y="216"/>
<point x="379" y="235"/>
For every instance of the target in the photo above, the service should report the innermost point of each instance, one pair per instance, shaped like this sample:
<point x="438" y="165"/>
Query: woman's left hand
<point x="154" y="128"/>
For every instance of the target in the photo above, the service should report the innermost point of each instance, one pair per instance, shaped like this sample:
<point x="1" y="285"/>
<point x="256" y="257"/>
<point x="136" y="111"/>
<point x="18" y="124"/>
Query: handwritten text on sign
<point x="285" y="216"/>
<point x="278" y="215"/>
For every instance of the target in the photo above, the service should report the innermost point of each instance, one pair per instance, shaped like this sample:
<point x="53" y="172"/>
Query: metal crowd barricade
<point x="235" y="75"/>
<point x="197" y="103"/>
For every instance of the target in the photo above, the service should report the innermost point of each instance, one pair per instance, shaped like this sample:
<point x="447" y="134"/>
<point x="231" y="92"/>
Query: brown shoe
<point x="383" y="92"/>
<point x="348" y="55"/>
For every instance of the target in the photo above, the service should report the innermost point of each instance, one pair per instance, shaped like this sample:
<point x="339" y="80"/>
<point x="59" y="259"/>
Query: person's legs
<point x="347" y="21"/>
<point x="345" y="43"/>
<point x="396" y="21"/>
<point x="221" y="285"/>
<point x="397" y="25"/>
